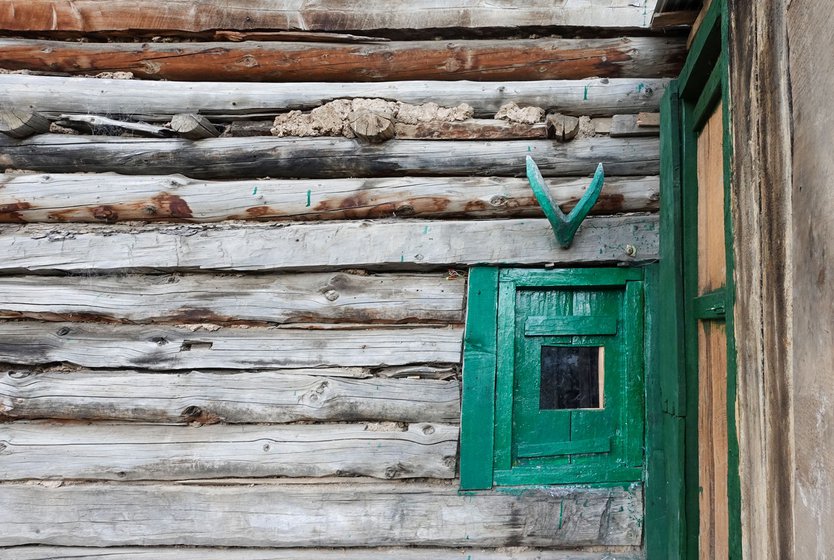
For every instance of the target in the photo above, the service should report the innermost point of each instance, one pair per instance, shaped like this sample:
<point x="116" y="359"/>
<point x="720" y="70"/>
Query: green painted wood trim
<point x="503" y="424"/>
<point x="593" y="477"/>
<point x="570" y="325"/>
<point x="573" y="447"/>
<point x="633" y="421"/>
<point x="479" y="362"/>
<point x="665" y="521"/>
<point x="711" y="306"/>
<point x="584" y="277"/>
<point x="706" y="102"/>
<point x="703" y="53"/>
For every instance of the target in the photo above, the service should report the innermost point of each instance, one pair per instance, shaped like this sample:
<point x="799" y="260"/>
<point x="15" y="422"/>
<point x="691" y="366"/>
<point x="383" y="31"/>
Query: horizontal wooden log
<point x="308" y="515"/>
<point x="496" y="60"/>
<point x="233" y="398"/>
<point x="111" y="197"/>
<point x="143" y="452"/>
<point x="160" y="100"/>
<point x="22" y="123"/>
<point x="262" y="247"/>
<point x="95" y="16"/>
<point x="321" y="158"/>
<point x="202" y="553"/>
<point x="629" y="126"/>
<point x="292" y="298"/>
<point x="170" y="348"/>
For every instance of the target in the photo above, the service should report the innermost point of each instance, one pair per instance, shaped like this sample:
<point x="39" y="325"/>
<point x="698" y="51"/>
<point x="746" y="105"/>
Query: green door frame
<point x="672" y="489"/>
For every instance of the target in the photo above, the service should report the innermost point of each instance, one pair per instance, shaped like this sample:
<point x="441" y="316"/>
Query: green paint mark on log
<point x="309" y="195"/>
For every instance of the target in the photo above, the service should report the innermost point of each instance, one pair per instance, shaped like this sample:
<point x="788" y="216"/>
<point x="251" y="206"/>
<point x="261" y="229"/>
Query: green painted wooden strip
<point x="591" y="475"/>
<point x="665" y="520"/>
<point x="572" y="447"/>
<point x="504" y="385"/>
<point x="712" y="306"/>
<point x="634" y="405"/>
<point x="570" y="325"/>
<point x="585" y="277"/>
<point x="709" y="97"/>
<point x="476" y="442"/>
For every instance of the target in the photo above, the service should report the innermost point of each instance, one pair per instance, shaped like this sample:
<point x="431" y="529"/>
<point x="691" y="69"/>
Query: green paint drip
<point x="309" y="194"/>
<point x="641" y="86"/>
<point x="585" y="96"/>
<point x="426" y="230"/>
<point x="255" y="191"/>
<point x="561" y="511"/>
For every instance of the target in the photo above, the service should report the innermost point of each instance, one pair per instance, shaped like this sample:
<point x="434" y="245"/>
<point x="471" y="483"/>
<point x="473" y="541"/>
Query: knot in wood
<point x="63" y="331"/>
<point x="331" y="295"/>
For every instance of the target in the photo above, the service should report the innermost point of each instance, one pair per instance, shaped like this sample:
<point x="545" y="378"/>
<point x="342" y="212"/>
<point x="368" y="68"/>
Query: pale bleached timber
<point x="148" y="452"/>
<point x="203" y="553"/>
<point x="308" y="515"/>
<point x="413" y="244"/>
<point x="171" y="16"/>
<point x="322" y="158"/>
<point x="160" y="100"/>
<point x="630" y="126"/>
<point x="545" y="58"/>
<point x="162" y="347"/>
<point x="233" y="398"/>
<point x="235" y="298"/>
<point x="109" y="197"/>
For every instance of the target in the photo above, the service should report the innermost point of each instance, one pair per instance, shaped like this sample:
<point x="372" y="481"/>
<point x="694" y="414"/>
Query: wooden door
<point x="710" y="330"/>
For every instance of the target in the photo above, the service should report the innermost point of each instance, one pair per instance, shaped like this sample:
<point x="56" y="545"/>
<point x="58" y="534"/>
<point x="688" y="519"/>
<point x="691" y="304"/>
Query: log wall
<point x="255" y="341"/>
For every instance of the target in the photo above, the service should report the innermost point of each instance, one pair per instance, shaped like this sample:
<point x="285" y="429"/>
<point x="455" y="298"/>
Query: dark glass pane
<point x="570" y="377"/>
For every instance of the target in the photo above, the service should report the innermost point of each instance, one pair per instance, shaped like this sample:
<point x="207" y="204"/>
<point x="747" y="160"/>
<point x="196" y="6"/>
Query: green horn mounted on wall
<point x="564" y="226"/>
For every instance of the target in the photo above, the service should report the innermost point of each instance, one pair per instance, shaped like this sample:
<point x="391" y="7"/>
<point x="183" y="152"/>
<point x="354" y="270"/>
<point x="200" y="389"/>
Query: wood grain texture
<point x="290" y="298"/>
<point x="160" y="100"/>
<point x="97" y="16"/>
<point x="202" y="553"/>
<point x="760" y="202"/>
<point x="88" y="248"/>
<point x="232" y="398"/>
<point x="109" y="197"/>
<point x="321" y="158"/>
<point x="713" y="512"/>
<point x="171" y="348"/>
<point x="494" y="60"/>
<point x="812" y="240"/>
<point x="712" y="255"/>
<point x="301" y="515"/>
<point x="147" y="452"/>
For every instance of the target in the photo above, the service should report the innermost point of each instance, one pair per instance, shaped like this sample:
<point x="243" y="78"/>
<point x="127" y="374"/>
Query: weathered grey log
<point x="306" y="515"/>
<point x="203" y="553"/>
<point x="232" y="398"/>
<point x="147" y="452"/>
<point x="247" y="128"/>
<point x="628" y="126"/>
<point x="97" y="122"/>
<point x="269" y="58"/>
<point x="261" y="247"/>
<point x="22" y="123"/>
<point x="322" y="158"/>
<point x="90" y="16"/>
<point x="169" y="348"/>
<point x="193" y="127"/>
<point x="561" y="128"/>
<point x="160" y="100"/>
<point x="371" y="126"/>
<point x="292" y="298"/>
<point x="110" y="197"/>
<point x="648" y="119"/>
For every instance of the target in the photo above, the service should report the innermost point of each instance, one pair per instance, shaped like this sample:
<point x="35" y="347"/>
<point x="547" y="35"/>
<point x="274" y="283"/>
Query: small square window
<point x="571" y="377"/>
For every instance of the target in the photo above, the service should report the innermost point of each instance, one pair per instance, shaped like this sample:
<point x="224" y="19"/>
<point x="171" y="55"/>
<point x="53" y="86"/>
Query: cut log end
<point x="561" y="128"/>
<point x="193" y="127"/>
<point x="371" y="126"/>
<point x="22" y="123"/>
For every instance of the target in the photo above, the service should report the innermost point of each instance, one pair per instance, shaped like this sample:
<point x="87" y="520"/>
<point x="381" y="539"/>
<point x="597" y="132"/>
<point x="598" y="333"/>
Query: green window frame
<point x="507" y="438"/>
